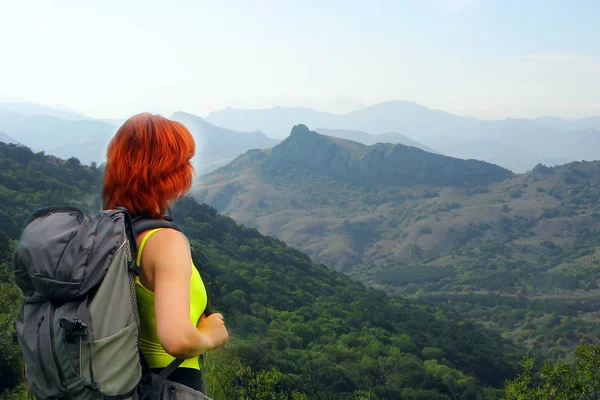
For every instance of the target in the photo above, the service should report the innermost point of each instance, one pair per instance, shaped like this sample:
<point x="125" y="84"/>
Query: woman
<point x="148" y="168"/>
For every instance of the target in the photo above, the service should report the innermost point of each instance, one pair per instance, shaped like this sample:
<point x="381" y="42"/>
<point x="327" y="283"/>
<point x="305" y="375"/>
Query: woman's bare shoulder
<point x="164" y="243"/>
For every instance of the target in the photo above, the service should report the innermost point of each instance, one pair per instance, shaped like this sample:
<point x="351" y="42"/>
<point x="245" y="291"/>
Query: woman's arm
<point x="167" y="253"/>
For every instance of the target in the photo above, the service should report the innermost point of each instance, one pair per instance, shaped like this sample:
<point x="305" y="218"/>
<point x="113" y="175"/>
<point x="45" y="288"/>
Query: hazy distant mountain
<point x="535" y="141"/>
<point x="368" y="139"/>
<point x="498" y="153"/>
<point x="409" y="118"/>
<point x="585" y="144"/>
<point x="87" y="139"/>
<point x="58" y="131"/>
<point x="30" y="109"/>
<point x="84" y="139"/>
<point x="7" y="139"/>
<point x="275" y="122"/>
<point x="217" y="146"/>
<point x="114" y="121"/>
<point x="567" y="125"/>
<point x="392" y="116"/>
<point x="86" y="150"/>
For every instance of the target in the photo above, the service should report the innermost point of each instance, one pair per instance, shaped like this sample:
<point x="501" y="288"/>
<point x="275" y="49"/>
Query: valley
<point x="313" y="332"/>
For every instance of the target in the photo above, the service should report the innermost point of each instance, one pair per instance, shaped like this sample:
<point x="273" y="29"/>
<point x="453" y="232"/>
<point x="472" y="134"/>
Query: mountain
<point x="496" y="152"/>
<point x="395" y="164"/>
<point x="86" y="139"/>
<point x="218" y="146"/>
<point x="442" y="131"/>
<point x="32" y="109"/>
<point x="419" y="224"/>
<point x="295" y="326"/>
<point x="308" y="171"/>
<point x="7" y="139"/>
<point x="567" y="125"/>
<point x="275" y="122"/>
<point x="408" y="118"/>
<point x="366" y="138"/>
<point x="586" y="144"/>
<point x="392" y="116"/>
<point x="114" y="121"/>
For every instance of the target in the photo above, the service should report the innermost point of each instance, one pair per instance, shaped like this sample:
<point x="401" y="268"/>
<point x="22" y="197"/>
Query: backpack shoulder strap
<point x="143" y="223"/>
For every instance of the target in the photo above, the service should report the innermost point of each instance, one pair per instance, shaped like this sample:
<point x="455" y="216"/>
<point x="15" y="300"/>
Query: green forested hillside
<point x="30" y="179"/>
<point x="298" y="329"/>
<point x="519" y="255"/>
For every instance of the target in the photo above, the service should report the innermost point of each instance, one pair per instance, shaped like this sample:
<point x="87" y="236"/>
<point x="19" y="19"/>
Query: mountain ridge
<point x="87" y="139"/>
<point x="58" y="136"/>
<point x="7" y="139"/>
<point x="445" y="132"/>
<point x="381" y="162"/>
<point x="369" y="139"/>
<point x="571" y="124"/>
<point x="218" y="146"/>
<point x="32" y="109"/>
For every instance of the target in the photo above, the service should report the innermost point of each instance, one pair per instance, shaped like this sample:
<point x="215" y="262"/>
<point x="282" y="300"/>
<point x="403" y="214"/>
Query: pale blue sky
<point x="489" y="59"/>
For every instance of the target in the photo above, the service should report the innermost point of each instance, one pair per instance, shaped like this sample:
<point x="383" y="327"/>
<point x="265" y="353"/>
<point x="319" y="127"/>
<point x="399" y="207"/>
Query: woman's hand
<point x="213" y="327"/>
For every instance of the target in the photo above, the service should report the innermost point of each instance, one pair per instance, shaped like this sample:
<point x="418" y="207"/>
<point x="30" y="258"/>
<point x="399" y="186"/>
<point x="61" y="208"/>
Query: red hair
<point x="148" y="165"/>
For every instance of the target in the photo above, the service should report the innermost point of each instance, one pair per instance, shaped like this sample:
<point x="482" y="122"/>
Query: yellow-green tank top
<point x="150" y="345"/>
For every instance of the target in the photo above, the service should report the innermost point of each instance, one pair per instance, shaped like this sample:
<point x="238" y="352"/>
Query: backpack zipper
<point x="39" y="352"/>
<point x="61" y="375"/>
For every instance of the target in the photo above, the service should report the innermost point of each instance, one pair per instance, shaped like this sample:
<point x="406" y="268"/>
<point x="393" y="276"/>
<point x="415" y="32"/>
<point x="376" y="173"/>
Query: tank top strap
<point x="143" y="243"/>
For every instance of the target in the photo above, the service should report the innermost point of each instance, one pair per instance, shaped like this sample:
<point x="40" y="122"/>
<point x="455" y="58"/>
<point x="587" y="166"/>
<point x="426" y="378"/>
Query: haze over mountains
<point x="66" y="134"/>
<point x="24" y="108"/>
<point x="566" y="125"/>
<point x="7" y="139"/>
<point x="217" y="146"/>
<point x="516" y="144"/>
<point x="368" y="139"/>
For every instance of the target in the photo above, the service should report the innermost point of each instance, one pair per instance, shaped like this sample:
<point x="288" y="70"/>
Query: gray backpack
<point x="78" y="325"/>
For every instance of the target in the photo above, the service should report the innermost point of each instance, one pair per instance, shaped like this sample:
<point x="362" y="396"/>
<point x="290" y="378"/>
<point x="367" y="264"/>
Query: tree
<point x="560" y="381"/>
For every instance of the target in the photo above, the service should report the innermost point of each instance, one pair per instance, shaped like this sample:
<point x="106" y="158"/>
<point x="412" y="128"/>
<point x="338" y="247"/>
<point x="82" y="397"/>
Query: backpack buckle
<point x="135" y="268"/>
<point x="73" y="327"/>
